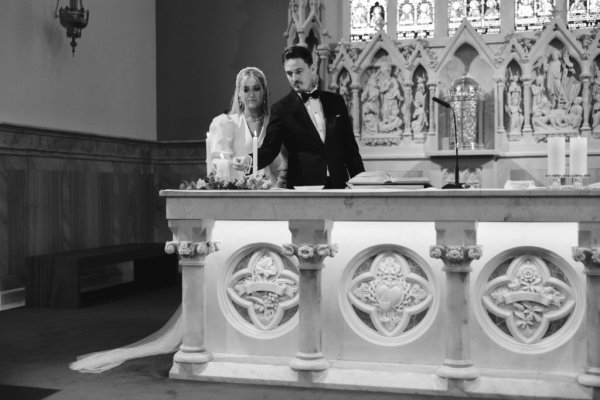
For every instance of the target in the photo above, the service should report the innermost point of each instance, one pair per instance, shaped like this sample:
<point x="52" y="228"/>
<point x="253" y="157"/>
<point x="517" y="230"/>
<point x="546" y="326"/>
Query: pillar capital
<point x="310" y="253"/>
<point x="589" y="257"/>
<point x="189" y="250"/>
<point x="456" y="258"/>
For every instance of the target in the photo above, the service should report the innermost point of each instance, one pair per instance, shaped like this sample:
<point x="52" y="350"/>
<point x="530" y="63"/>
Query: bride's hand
<point x="242" y="163"/>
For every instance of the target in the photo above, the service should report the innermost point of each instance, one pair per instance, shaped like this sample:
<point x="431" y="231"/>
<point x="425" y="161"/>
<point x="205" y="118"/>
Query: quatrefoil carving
<point x="390" y="293"/>
<point x="528" y="298"/>
<point x="265" y="288"/>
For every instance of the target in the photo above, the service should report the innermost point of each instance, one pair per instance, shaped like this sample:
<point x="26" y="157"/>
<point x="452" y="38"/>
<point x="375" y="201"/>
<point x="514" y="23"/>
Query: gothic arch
<point x="465" y="34"/>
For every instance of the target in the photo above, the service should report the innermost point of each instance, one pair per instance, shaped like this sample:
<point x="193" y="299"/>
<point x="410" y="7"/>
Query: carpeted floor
<point x="36" y="346"/>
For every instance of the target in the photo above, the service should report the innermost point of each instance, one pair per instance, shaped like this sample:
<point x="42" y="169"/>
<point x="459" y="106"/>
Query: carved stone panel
<point x="531" y="299"/>
<point x="261" y="292"/>
<point x="387" y="295"/>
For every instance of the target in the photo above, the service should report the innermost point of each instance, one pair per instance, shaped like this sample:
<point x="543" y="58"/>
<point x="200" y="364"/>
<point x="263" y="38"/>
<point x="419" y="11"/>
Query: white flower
<point x="305" y="252"/>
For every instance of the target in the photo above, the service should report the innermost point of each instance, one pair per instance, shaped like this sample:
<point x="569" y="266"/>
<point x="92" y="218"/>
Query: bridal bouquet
<point x="212" y="182"/>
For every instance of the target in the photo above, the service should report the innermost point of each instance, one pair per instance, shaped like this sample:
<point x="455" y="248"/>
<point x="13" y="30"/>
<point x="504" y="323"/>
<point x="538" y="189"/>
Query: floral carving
<point x="265" y="288"/>
<point x="455" y="254"/>
<point x="310" y="252"/>
<point x="190" y="249"/>
<point x="587" y="255"/>
<point x="528" y="298"/>
<point x="390" y="293"/>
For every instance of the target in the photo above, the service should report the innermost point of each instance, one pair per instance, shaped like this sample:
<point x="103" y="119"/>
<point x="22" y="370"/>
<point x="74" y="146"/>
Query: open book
<point x="387" y="179"/>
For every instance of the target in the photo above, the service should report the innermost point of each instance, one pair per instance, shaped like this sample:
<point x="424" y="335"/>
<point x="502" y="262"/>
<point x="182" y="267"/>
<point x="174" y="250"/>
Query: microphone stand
<point x="456" y="184"/>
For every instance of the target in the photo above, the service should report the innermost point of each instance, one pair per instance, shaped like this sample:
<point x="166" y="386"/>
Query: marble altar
<point x="469" y="293"/>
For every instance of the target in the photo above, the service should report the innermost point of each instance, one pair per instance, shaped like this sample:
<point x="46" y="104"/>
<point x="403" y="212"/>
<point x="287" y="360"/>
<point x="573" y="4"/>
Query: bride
<point x="231" y="136"/>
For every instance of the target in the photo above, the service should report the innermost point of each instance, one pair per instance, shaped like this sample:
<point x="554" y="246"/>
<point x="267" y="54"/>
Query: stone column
<point x="311" y="244"/>
<point x="527" y="104"/>
<point x="408" y="100"/>
<point x="588" y="253"/>
<point x="587" y="104"/>
<point x="500" y="102"/>
<point x="432" y="121"/>
<point x="324" y="52"/>
<point x="192" y="242"/>
<point x="355" y="87"/>
<point x="456" y="247"/>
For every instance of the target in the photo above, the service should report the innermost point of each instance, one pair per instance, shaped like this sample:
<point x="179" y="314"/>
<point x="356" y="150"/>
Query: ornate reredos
<point x="399" y="114"/>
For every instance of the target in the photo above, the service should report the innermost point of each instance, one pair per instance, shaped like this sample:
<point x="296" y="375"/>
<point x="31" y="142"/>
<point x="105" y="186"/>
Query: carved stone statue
<point x="391" y="100"/>
<point x="596" y="116"/>
<point x="554" y="78"/>
<point x="419" y="122"/>
<point x="370" y="105"/>
<point x="576" y="113"/>
<point x="537" y="92"/>
<point x="513" y="106"/>
<point x="516" y="116"/>
<point x="556" y="106"/>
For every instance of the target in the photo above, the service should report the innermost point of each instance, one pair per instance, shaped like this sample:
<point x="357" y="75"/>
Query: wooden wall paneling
<point x="17" y="223"/>
<point x="63" y="191"/>
<point x="4" y="234"/>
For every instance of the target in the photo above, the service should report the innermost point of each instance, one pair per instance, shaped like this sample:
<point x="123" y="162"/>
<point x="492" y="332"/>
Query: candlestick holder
<point x="578" y="180"/>
<point x="555" y="181"/>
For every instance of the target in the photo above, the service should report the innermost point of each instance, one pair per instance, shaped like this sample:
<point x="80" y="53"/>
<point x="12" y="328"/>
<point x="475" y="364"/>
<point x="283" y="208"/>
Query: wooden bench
<point x="54" y="280"/>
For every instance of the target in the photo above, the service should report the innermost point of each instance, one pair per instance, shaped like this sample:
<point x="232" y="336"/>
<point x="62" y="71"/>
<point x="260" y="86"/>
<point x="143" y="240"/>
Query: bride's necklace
<point x="252" y="119"/>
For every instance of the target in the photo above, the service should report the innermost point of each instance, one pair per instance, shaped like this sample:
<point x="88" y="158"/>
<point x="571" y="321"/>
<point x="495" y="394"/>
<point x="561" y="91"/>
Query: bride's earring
<point x="240" y="104"/>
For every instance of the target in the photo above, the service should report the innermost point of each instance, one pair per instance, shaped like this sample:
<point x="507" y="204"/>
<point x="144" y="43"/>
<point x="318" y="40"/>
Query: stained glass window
<point x="366" y="18"/>
<point x="483" y="15"/>
<point x="532" y="15"/>
<point x="415" y="19"/>
<point x="583" y="13"/>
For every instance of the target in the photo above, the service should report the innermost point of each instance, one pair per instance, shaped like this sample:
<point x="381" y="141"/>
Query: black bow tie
<point x="305" y="96"/>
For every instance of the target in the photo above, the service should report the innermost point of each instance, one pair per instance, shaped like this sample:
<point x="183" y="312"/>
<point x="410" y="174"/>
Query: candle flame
<point x="222" y="156"/>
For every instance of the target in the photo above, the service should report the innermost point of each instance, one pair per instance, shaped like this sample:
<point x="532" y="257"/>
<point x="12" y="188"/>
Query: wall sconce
<point x="73" y="19"/>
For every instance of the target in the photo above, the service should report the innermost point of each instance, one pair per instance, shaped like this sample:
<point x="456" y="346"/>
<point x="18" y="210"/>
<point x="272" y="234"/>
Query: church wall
<point x="108" y="88"/>
<point x="62" y="191"/>
<point x="201" y="46"/>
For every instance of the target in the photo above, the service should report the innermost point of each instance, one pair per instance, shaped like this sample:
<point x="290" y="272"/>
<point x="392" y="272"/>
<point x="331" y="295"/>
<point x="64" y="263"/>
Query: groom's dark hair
<point x="297" y="51"/>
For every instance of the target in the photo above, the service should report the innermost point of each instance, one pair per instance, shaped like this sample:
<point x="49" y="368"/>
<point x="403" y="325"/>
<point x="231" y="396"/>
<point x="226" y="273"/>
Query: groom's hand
<point x="242" y="163"/>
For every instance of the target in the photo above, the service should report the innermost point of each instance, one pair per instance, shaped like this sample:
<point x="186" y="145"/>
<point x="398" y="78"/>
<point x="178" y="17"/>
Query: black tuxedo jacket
<point x="308" y="157"/>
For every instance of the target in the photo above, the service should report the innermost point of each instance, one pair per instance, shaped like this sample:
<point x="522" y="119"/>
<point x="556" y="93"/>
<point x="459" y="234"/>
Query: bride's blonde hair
<point x="237" y="107"/>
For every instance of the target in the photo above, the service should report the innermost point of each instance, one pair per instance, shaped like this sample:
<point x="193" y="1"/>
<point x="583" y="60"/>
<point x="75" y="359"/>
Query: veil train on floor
<point x="166" y="340"/>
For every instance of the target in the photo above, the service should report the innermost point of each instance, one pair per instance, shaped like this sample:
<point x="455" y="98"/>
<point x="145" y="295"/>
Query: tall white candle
<point x="222" y="165"/>
<point x="556" y="155"/>
<point x="578" y="155"/>
<point x="208" y="154"/>
<point x="255" y="153"/>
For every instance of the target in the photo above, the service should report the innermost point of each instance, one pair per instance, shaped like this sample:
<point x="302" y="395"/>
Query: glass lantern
<point x="465" y="97"/>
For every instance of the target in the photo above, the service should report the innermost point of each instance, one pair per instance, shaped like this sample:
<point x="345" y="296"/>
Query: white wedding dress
<point x="166" y="340"/>
<point x="230" y="137"/>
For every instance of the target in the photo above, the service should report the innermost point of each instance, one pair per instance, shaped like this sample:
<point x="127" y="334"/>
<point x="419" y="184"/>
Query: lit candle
<point x="208" y="154"/>
<point x="222" y="167"/>
<point x="255" y="153"/>
<point x="578" y="155"/>
<point x="556" y="155"/>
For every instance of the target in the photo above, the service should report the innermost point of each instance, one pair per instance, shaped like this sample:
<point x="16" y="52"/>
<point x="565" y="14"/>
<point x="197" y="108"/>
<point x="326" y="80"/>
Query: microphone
<point x="456" y="184"/>
<point x="441" y="102"/>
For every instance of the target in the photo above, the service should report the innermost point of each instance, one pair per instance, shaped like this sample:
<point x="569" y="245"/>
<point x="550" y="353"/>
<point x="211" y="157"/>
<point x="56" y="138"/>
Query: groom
<point x="314" y="127"/>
